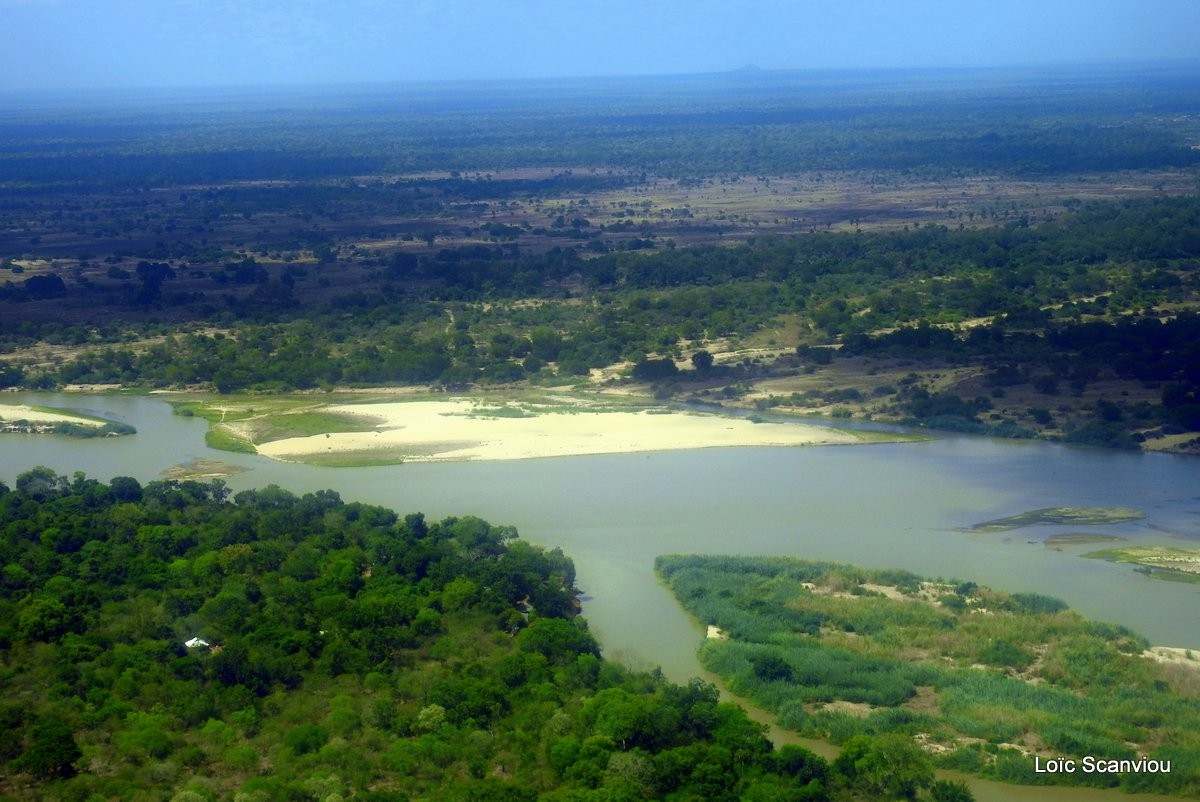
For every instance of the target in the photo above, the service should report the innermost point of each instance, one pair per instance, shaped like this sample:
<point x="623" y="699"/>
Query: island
<point x="491" y="427"/>
<point x="27" y="419"/>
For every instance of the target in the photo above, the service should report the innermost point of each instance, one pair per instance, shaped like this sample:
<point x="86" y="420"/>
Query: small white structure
<point x="195" y="643"/>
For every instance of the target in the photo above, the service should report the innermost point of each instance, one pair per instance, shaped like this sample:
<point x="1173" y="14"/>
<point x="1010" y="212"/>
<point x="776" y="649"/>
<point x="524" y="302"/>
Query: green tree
<point x="52" y="750"/>
<point x="558" y="640"/>
<point x="947" y="791"/>
<point x="651" y="370"/>
<point x="885" y="766"/>
<point x="41" y="483"/>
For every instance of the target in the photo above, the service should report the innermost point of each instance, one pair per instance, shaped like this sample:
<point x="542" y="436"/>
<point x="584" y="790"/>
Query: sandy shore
<point x="460" y="429"/>
<point x="1173" y="656"/>
<point x="16" y="412"/>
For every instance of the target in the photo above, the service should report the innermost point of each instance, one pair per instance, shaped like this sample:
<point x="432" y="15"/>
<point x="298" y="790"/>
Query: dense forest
<point x="982" y="678"/>
<point x="174" y="641"/>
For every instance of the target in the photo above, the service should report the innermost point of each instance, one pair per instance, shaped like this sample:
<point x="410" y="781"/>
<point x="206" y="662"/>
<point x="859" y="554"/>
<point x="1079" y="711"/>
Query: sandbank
<point x="465" y="429"/>
<point x="1173" y="656"/>
<point x="23" y="412"/>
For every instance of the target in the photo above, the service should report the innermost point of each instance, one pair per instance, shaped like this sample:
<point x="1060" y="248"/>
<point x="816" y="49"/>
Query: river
<point x="889" y="505"/>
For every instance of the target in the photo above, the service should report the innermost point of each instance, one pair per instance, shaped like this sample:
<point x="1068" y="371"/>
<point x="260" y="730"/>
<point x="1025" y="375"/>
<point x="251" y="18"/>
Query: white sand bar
<point x="460" y="429"/>
<point x="16" y="412"/>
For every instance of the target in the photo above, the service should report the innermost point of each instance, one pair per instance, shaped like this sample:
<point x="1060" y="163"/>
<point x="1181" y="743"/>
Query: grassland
<point x="242" y="423"/>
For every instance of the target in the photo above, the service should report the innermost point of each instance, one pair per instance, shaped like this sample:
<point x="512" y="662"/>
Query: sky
<point x="73" y="44"/>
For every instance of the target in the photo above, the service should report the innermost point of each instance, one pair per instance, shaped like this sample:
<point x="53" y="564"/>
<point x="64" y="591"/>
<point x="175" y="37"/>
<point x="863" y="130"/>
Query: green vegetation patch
<point x="383" y="455"/>
<point x="223" y="439"/>
<point x="1073" y="516"/>
<point x="306" y="424"/>
<point x="240" y="423"/>
<point x="1078" y="539"/>
<point x="984" y="677"/>
<point x="87" y="430"/>
<point x="505" y="411"/>
<point x="869" y="436"/>
<point x="1160" y="562"/>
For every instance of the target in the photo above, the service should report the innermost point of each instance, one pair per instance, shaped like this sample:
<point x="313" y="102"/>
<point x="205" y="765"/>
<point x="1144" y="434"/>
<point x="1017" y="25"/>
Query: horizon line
<point x="747" y="70"/>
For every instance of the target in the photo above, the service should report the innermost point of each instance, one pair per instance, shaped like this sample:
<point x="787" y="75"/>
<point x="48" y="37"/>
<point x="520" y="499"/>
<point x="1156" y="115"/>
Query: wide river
<point x="895" y="505"/>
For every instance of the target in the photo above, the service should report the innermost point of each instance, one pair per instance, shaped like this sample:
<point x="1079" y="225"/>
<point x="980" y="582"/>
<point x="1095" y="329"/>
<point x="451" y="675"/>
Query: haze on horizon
<point x="82" y="44"/>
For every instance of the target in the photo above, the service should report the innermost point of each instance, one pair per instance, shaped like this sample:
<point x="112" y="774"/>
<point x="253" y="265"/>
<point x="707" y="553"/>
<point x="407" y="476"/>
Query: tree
<point x="41" y="483"/>
<point x="947" y="791"/>
<point x="44" y="618"/>
<point x="702" y="361"/>
<point x="10" y="375"/>
<point x="655" y="369"/>
<point x="125" y="488"/>
<point x="885" y="766"/>
<point x="772" y="668"/>
<point x="50" y="285"/>
<point x="545" y="343"/>
<point x="52" y="751"/>
<point x="558" y="640"/>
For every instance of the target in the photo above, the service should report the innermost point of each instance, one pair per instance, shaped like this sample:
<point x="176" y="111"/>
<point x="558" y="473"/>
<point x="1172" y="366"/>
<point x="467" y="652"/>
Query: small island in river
<point x="1159" y="562"/>
<point x="26" y="419"/>
<point x="1072" y="516"/>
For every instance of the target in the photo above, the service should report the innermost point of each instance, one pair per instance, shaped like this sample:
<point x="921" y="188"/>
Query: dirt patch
<point x="925" y="701"/>
<point x="888" y="591"/>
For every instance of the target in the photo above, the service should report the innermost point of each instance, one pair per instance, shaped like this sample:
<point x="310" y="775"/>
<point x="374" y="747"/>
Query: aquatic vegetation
<point x="1159" y="562"/>
<point x="981" y="678"/>
<point x="1072" y="516"/>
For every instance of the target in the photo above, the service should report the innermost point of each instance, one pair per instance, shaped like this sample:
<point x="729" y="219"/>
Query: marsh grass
<point x="836" y="651"/>
<point x="306" y="424"/>
<point x="263" y="419"/>
<point x="222" y="439"/>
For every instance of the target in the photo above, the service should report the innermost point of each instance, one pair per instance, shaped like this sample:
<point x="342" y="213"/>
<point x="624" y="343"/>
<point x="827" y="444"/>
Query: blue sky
<point x="129" y="43"/>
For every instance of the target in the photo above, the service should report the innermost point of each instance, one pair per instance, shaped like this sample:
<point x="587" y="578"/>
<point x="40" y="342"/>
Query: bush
<point x="306" y="738"/>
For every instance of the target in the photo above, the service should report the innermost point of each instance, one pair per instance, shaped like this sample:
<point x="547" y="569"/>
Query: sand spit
<point x="464" y="429"/>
